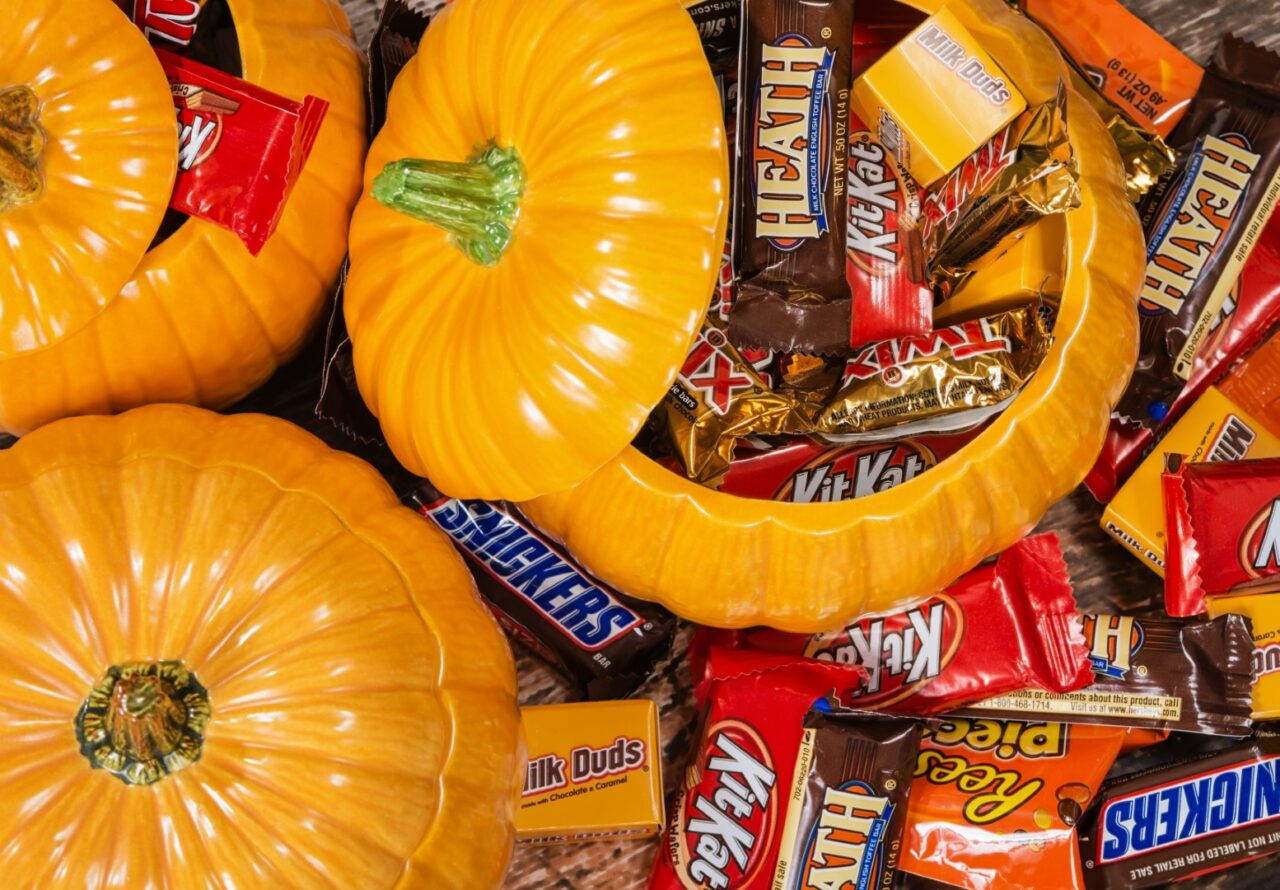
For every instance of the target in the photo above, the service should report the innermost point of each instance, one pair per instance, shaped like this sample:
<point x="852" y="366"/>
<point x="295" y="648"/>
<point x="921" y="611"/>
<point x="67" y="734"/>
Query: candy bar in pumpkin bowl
<point x="1030" y="375"/>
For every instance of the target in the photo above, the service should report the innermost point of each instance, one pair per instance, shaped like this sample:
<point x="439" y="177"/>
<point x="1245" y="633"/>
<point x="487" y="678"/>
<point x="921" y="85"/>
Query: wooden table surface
<point x="1105" y="576"/>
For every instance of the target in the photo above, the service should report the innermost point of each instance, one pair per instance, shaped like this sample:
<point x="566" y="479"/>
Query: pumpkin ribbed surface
<point x="724" y="560"/>
<point x="201" y="321"/>
<point x="361" y="724"/>
<point x="521" y="378"/>
<point x="99" y="131"/>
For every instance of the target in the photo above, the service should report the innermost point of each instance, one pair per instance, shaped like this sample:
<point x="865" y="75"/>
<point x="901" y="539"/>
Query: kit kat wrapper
<point x="1222" y="521"/>
<point x="1006" y="625"/>
<point x="1225" y="806"/>
<point x="739" y="776"/>
<point x="1151" y="673"/>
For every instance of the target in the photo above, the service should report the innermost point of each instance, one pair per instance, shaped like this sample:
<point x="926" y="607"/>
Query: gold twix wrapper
<point x="947" y="380"/>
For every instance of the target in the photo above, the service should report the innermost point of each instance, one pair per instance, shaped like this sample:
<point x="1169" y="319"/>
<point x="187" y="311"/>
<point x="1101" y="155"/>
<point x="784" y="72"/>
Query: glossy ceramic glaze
<point x="723" y="560"/>
<point x="363" y="731"/>
<point x="200" y="320"/>
<point x="108" y="162"/>
<point x="522" y="378"/>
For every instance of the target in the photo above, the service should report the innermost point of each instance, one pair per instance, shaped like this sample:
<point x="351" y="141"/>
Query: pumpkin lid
<point x="576" y="186"/>
<point x="229" y="656"/>
<point x="88" y="156"/>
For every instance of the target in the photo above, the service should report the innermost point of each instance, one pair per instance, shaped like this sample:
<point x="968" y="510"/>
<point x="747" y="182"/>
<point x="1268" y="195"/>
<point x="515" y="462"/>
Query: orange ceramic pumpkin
<point x="87" y="160"/>
<point x="577" y="182"/>
<point x="229" y="658"/>
<point x="197" y="319"/>
<point x="724" y="560"/>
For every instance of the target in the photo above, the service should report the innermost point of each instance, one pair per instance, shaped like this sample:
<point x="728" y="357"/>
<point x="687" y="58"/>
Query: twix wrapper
<point x="241" y="148"/>
<point x="789" y="220"/>
<point x="848" y="802"/>
<point x="727" y="820"/>
<point x="948" y="380"/>
<point x="1203" y="221"/>
<point x="1004" y="626"/>
<point x="1128" y="62"/>
<point x="994" y="804"/>
<point x="1023" y="172"/>
<point x="1223" y="523"/>
<point x="1151" y="672"/>
<point x="719" y="397"/>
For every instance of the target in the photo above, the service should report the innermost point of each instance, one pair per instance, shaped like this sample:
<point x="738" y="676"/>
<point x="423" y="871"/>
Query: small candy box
<point x="935" y="97"/>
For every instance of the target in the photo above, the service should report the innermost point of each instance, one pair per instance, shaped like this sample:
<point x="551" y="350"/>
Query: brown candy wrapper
<point x="848" y="800"/>
<point x="1022" y="173"/>
<point x="1154" y="673"/>
<point x="948" y="380"/>
<point x="717" y="398"/>
<point x="1202" y="221"/>
<point x="789" y="221"/>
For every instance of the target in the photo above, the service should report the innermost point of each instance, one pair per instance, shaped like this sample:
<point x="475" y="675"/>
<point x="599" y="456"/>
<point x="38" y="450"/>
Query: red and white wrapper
<point x="1223" y="526"/>
<point x="241" y="148"/>
<point x="727" y="820"/>
<point x="1006" y="625"/>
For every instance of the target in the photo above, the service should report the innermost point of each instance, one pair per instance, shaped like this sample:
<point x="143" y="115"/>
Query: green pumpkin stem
<point x="476" y="201"/>
<point x="21" y="145"/>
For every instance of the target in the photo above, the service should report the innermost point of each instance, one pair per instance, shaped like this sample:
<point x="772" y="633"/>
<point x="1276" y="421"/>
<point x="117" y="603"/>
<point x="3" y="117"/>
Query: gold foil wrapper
<point x="945" y="381"/>
<point x="717" y="399"/>
<point x="1022" y="173"/>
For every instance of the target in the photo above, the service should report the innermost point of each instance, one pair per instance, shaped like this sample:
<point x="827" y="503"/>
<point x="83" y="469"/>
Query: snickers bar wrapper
<point x="1184" y="820"/>
<point x="1202" y="222"/>
<point x="1223" y="521"/>
<point x="594" y="772"/>
<point x="604" y="642"/>
<point x="1263" y="612"/>
<point x="848" y="802"/>
<point x="789" y="219"/>
<point x="1153" y="673"/>
<point x="1215" y="428"/>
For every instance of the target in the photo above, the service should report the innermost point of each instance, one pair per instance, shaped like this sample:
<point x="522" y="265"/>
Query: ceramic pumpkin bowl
<point x="229" y="657"/>
<point x="542" y="224"/>
<point x="729" y="561"/>
<point x="196" y="318"/>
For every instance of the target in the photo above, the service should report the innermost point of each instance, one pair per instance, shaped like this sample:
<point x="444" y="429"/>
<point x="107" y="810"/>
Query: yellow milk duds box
<point x="594" y="772"/>
<point x="1213" y="429"/>
<point x="1029" y="270"/>
<point x="1263" y="612"/>
<point x="935" y="97"/>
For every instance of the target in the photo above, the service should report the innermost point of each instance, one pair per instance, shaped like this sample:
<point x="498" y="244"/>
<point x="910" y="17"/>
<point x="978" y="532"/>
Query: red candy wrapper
<point x="241" y="148"/>
<point x="805" y="472"/>
<point x="884" y="253"/>
<point x="1223" y="527"/>
<point x="727" y="821"/>
<point x="1002" y="627"/>
<point x="1251" y="311"/>
<point x="166" y="21"/>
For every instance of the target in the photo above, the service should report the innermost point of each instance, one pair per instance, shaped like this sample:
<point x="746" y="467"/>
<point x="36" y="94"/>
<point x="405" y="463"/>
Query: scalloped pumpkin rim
<point x="364" y="504"/>
<point x="1094" y="351"/>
